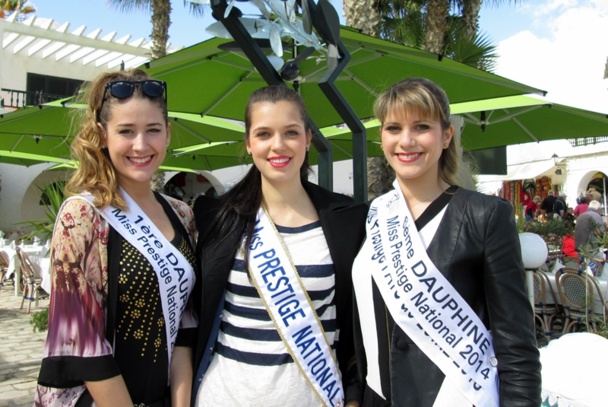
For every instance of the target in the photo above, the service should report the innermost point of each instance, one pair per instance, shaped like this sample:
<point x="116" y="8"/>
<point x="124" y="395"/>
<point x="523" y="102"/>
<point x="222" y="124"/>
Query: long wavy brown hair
<point x="96" y="173"/>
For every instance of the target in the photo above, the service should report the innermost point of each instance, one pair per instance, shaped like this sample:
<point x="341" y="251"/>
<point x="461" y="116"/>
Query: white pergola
<point x="42" y="40"/>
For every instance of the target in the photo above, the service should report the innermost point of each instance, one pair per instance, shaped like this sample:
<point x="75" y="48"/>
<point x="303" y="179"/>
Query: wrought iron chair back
<point x="546" y="304"/>
<point x="539" y="293"/>
<point x="577" y="291"/>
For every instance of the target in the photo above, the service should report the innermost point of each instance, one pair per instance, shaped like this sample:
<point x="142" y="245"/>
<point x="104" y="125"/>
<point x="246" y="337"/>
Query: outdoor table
<point x="45" y="272"/>
<point x="573" y="370"/>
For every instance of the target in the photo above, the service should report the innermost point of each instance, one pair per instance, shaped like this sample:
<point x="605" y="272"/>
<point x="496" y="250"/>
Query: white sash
<point x="425" y="305"/>
<point x="174" y="273"/>
<point x="280" y="288"/>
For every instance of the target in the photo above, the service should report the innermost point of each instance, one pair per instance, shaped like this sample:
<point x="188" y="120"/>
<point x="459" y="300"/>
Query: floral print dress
<point x="76" y="348"/>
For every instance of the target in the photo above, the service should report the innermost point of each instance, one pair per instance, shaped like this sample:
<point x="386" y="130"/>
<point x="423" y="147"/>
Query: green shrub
<point x="551" y="231"/>
<point x="40" y="320"/>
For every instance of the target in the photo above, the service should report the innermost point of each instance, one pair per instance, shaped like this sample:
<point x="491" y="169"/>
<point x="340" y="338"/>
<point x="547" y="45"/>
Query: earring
<point x="249" y="153"/>
<point x="307" y="148"/>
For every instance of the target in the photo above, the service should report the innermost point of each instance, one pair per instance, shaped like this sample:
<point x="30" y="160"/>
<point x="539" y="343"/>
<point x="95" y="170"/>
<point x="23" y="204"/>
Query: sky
<point x="560" y="46"/>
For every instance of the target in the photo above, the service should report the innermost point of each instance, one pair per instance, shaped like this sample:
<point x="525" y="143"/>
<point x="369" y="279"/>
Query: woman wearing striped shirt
<point x="256" y="341"/>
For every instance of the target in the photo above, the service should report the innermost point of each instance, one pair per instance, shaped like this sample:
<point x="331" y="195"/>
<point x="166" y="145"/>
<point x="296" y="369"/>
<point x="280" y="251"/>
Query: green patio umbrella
<point x="26" y="159"/>
<point x="523" y="119"/>
<point x="209" y="156"/>
<point x="215" y="78"/>
<point x="45" y="132"/>
<point x="210" y="78"/>
<point x="213" y="156"/>
<point x="509" y="120"/>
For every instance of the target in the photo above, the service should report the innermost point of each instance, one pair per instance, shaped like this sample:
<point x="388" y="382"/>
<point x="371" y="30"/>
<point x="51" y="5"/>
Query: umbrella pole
<point x="354" y="124"/>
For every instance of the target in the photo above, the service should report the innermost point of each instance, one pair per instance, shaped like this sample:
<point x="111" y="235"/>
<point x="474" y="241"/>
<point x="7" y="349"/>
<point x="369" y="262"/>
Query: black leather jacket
<point x="477" y="248"/>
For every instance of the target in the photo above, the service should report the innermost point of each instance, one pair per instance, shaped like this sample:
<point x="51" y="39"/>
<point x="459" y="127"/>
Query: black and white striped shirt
<point x="251" y="365"/>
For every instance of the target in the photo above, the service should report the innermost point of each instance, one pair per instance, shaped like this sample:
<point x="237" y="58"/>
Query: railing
<point x="584" y="141"/>
<point x="16" y="99"/>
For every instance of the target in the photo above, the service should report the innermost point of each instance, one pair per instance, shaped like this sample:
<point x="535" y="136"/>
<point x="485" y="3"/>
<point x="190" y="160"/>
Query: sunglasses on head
<point x="125" y="89"/>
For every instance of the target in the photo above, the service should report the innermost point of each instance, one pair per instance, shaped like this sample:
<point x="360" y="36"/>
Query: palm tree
<point x="9" y="7"/>
<point x="363" y="15"/>
<point x="436" y="27"/>
<point x="160" y="19"/>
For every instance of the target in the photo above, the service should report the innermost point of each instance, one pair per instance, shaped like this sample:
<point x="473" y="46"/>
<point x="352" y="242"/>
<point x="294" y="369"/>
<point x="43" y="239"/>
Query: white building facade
<point x="571" y="169"/>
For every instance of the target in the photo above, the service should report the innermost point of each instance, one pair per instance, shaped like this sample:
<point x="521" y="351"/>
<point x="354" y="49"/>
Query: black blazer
<point x="343" y="224"/>
<point x="477" y="248"/>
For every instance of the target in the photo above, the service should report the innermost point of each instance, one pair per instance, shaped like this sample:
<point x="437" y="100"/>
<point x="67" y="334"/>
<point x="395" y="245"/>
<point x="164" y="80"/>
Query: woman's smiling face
<point x="136" y="137"/>
<point x="278" y="140"/>
<point x="413" y="145"/>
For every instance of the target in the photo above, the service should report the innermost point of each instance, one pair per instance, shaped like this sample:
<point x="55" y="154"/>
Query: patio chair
<point x="32" y="290"/>
<point x="3" y="268"/>
<point x="546" y="305"/>
<point x="539" y="319"/>
<point x="577" y="291"/>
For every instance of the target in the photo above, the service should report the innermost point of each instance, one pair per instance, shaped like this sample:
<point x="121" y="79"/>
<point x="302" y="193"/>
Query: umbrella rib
<point x="225" y="94"/>
<point x="341" y="149"/>
<point x="470" y="118"/>
<point x="207" y="162"/>
<point x="16" y="144"/>
<point x="189" y="131"/>
<point x="361" y="82"/>
<point x="525" y="129"/>
<point x="248" y="68"/>
<point x="510" y="115"/>
<point x="198" y="148"/>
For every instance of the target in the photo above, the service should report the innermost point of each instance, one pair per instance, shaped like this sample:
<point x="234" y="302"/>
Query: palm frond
<point x="43" y="228"/>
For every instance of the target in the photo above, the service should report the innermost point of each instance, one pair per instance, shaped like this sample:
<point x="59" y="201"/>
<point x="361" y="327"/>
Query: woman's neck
<point x="421" y="193"/>
<point x="288" y="204"/>
<point x="141" y="194"/>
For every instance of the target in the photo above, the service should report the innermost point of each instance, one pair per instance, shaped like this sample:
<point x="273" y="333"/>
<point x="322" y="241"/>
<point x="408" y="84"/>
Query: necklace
<point x="434" y="196"/>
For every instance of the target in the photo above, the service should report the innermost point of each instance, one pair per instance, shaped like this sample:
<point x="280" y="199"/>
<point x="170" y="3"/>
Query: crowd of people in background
<point x="584" y="223"/>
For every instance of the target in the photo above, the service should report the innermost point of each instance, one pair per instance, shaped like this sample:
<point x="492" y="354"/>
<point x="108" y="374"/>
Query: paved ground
<point x="20" y="350"/>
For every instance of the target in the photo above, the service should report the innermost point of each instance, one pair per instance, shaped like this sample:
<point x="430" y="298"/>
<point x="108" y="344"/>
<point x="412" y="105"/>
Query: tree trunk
<point x="470" y="16"/>
<point x="436" y="25"/>
<point x="362" y="15"/>
<point x="464" y="175"/>
<point x="161" y="21"/>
